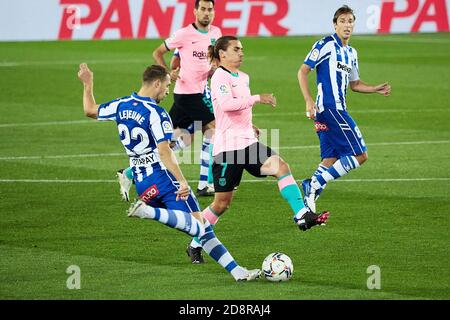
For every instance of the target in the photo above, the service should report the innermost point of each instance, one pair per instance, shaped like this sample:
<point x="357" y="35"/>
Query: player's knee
<point x="284" y="168"/>
<point x="328" y="162"/>
<point x="362" y="158"/>
<point x="221" y="205"/>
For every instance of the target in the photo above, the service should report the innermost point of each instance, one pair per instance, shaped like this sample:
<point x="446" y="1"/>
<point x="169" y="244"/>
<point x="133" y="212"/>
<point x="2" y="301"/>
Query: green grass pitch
<point x="60" y="206"/>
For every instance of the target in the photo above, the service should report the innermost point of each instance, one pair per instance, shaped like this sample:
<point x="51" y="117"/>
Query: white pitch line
<point x="119" y="154"/>
<point x="279" y="114"/>
<point x="54" y="181"/>
<point x="69" y="62"/>
<point x="8" y="64"/>
<point x="86" y="155"/>
<point x="372" y="144"/>
<point x="257" y="115"/>
<point x="49" y="123"/>
<point x="193" y="181"/>
<point x="398" y="39"/>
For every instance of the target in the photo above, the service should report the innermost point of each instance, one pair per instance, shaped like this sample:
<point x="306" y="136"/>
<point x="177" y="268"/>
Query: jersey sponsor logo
<point x="144" y="160"/>
<point x="314" y="55"/>
<point x="167" y="127"/>
<point x="224" y="89"/>
<point x="320" y="126"/>
<point x="343" y="67"/>
<point x="202" y="55"/>
<point x="150" y="193"/>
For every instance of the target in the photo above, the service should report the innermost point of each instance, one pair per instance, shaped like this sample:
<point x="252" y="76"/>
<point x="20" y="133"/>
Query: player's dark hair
<point x="221" y="44"/>
<point x="343" y="10"/>
<point x="154" y="72"/>
<point x="197" y="3"/>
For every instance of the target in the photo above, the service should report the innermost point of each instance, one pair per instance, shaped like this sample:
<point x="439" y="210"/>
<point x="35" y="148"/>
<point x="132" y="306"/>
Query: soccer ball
<point x="277" y="267"/>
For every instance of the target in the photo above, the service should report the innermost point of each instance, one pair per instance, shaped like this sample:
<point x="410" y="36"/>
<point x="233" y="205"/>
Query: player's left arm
<point x="175" y="62"/>
<point x="214" y="66"/>
<point x="362" y="87"/>
<point x="86" y="76"/>
<point x="169" y="160"/>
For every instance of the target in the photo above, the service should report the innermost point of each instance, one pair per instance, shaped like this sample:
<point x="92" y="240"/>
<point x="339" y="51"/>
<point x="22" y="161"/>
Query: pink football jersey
<point x="232" y="102"/>
<point x="192" y="45"/>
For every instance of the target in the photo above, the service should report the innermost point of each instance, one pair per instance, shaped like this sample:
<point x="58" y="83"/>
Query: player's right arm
<point x="175" y="62"/>
<point x="158" y="54"/>
<point x="319" y="52"/>
<point x="86" y="76"/>
<point x="302" y="76"/>
<point x="169" y="160"/>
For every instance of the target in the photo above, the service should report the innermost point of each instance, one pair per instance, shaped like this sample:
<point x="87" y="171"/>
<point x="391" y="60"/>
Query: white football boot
<point x="125" y="185"/>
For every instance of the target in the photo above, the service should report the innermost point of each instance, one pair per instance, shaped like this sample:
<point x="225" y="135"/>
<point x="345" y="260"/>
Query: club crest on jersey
<point x="167" y="127"/>
<point x="224" y="89"/>
<point x="213" y="41"/>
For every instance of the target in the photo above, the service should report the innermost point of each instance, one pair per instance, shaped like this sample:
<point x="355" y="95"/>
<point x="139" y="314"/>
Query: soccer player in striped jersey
<point x="181" y="139"/>
<point x="236" y="146"/>
<point x="145" y="130"/>
<point x="342" y="147"/>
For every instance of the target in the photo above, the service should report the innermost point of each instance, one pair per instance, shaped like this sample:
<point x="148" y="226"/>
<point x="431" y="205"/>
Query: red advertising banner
<point x="23" y="20"/>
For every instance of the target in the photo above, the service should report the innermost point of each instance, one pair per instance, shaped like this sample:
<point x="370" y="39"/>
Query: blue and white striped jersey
<point x="142" y="125"/>
<point x="336" y="65"/>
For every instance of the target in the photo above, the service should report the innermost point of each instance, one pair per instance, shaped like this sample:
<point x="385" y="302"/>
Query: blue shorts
<point x="158" y="190"/>
<point x="338" y="134"/>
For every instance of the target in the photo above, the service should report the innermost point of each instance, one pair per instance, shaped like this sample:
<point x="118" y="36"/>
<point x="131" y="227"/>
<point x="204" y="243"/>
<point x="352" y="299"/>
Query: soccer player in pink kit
<point x="236" y="147"/>
<point x="190" y="104"/>
<point x="191" y="78"/>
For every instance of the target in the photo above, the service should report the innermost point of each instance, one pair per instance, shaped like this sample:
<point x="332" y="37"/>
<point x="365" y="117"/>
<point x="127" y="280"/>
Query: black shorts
<point x="188" y="108"/>
<point x="229" y="166"/>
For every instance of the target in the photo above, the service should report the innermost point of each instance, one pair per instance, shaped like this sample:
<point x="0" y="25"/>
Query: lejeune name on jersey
<point x="131" y="114"/>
